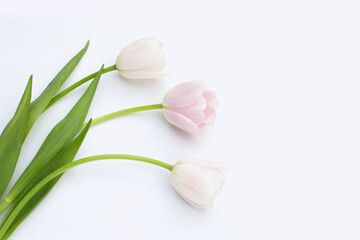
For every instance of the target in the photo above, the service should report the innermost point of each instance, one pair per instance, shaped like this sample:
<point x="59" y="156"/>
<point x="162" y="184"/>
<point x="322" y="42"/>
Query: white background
<point x="288" y="126"/>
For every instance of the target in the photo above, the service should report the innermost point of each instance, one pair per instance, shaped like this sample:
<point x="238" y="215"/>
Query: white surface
<point x="287" y="75"/>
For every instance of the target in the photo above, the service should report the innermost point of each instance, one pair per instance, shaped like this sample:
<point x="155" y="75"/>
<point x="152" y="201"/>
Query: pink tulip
<point x="190" y="107"/>
<point x="198" y="181"/>
<point x="142" y="59"/>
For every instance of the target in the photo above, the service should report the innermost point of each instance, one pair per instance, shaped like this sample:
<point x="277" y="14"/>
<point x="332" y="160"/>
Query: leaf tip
<point x="87" y="45"/>
<point x="87" y="126"/>
<point x="30" y="81"/>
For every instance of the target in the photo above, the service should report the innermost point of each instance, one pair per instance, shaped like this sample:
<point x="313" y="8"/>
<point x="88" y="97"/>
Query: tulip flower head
<point x="142" y="59"/>
<point x="198" y="181"/>
<point x="190" y="107"/>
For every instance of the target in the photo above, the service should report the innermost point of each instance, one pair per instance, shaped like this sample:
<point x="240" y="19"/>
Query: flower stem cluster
<point x="190" y="107"/>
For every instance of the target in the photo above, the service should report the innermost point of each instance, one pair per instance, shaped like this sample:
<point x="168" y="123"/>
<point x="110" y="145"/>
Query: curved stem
<point x="61" y="170"/>
<point x="123" y="112"/>
<point x="77" y="84"/>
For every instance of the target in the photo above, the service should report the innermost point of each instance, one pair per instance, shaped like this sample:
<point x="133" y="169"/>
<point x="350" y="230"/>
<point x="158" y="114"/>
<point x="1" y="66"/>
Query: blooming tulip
<point x="198" y="181"/>
<point x="190" y="107"/>
<point x="142" y="59"/>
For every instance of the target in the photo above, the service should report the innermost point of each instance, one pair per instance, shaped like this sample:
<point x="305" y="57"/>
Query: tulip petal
<point x="198" y="181"/>
<point x="192" y="183"/>
<point x="184" y="94"/>
<point x="181" y="122"/>
<point x="211" y="99"/>
<point x="156" y="65"/>
<point x="210" y="116"/>
<point x="194" y="204"/>
<point x="217" y="177"/>
<point x="195" y="112"/>
<point x="203" y="163"/>
<point x="139" y="54"/>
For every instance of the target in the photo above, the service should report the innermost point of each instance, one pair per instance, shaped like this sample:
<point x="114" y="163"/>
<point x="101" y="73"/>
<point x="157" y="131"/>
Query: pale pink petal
<point x="156" y="65"/>
<point x="203" y="163"/>
<point x="193" y="101"/>
<point x="198" y="181"/>
<point x="210" y="116"/>
<point x="184" y="94"/>
<point x="217" y="177"/>
<point x="211" y="99"/>
<point x="142" y="75"/>
<point x="139" y="54"/>
<point x="195" y="112"/>
<point x="181" y="122"/>
<point x="194" y="185"/>
<point x="194" y="204"/>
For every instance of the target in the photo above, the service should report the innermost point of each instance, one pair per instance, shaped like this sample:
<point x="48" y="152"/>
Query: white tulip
<point x="142" y="59"/>
<point x="198" y="181"/>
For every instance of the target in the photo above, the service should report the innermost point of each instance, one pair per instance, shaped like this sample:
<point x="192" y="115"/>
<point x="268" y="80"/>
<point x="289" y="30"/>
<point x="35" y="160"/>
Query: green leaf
<point x="66" y="156"/>
<point x="39" y="105"/>
<point x="10" y="141"/>
<point x="12" y="138"/>
<point x="58" y="138"/>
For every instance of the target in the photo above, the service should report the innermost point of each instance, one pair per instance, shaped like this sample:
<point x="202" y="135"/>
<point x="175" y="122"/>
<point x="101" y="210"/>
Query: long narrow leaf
<point x="66" y="156"/>
<point x="58" y="138"/>
<point x="10" y="141"/>
<point x="12" y="138"/>
<point x="38" y="106"/>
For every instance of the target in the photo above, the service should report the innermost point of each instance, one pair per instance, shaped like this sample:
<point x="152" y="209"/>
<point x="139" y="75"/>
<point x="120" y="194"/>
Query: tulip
<point x="190" y="107"/>
<point x="142" y="59"/>
<point x="198" y="181"/>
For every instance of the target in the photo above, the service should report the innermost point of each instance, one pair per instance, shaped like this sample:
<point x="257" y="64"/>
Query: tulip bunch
<point x="188" y="106"/>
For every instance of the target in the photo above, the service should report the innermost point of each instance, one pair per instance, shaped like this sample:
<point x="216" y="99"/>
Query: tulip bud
<point x="142" y="59"/>
<point x="198" y="181"/>
<point x="190" y="107"/>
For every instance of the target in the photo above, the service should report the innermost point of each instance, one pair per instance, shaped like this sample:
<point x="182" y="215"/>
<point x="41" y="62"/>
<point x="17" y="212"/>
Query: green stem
<point x="5" y="203"/>
<point x="123" y="112"/>
<point x="77" y="84"/>
<point x="61" y="170"/>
